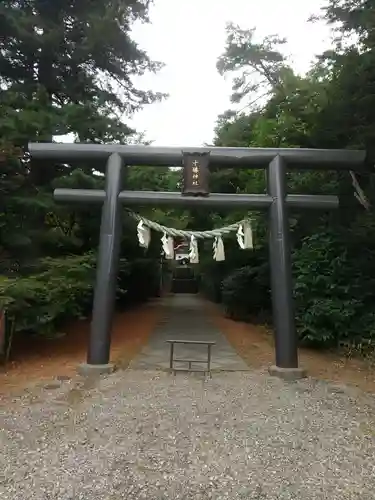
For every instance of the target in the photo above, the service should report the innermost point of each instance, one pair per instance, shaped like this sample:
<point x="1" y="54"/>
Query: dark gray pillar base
<point x="87" y="370"/>
<point x="289" y="374"/>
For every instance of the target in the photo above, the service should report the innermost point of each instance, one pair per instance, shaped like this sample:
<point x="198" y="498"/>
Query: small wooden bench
<point x="172" y="359"/>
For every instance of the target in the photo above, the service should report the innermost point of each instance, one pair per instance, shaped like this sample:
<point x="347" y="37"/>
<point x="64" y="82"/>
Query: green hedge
<point x="334" y="291"/>
<point x="63" y="290"/>
<point x="246" y="292"/>
<point x="141" y="280"/>
<point x="213" y="274"/>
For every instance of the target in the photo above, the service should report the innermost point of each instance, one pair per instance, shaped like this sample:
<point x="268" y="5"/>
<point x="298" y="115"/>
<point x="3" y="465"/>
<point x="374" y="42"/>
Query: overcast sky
<point x="189" y="36"/>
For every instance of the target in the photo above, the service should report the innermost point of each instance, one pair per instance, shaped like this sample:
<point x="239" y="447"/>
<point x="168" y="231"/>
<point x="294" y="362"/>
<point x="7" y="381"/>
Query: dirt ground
<point x="255" y="344"/>
<point x="48" y="359"/>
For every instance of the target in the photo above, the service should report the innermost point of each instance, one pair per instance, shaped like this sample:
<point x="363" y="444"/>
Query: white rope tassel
<point x="194" y="253"/>
<point x="218" y="246"/>
<point x="144" y="234"/>
<point x="245" y="235"/>
<point x="168" y="246"/>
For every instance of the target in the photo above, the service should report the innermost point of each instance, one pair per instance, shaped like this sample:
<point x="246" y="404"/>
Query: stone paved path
<point x="185" y="318"/>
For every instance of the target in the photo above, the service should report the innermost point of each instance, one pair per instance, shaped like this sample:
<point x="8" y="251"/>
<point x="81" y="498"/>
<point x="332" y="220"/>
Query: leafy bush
<point x="213" y="274"/>
<point x="333" y="292"/>
<point x="334" y="288"/>
<point x="211" y="281"/>
<point x="63" y="289"/>
<point x="141" y="280"/>
<point x="246" y="292"/>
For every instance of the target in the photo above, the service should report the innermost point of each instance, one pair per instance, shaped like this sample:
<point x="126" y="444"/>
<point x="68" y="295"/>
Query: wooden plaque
<point x="195" y="174"/>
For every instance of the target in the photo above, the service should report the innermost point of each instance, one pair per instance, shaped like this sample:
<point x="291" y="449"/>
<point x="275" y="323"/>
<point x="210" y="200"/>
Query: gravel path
<point x="149" y="435"/>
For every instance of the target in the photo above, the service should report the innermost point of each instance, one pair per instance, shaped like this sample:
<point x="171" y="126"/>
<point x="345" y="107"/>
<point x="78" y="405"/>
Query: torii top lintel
<point x="298" y="158"/>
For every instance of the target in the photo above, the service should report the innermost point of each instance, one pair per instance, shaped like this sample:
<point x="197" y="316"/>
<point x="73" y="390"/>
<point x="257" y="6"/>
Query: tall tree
<point x="65" y="66"/>
<point x="73" y="60"/>
<point x="353" y="21"/>
<point x="259" y="67"/>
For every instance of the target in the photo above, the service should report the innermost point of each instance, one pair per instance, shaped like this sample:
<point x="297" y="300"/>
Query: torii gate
<point x="195" y="194"/>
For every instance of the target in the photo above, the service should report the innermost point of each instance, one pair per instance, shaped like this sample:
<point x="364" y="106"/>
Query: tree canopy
<point x="65" y="67"/>
<point x="329" y="107"/>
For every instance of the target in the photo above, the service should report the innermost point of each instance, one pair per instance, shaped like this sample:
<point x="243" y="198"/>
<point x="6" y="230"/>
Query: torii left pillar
<point x="98" y="355"/>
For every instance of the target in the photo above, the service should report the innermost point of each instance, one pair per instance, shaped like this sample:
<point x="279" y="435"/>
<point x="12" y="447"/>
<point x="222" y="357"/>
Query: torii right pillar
<point x="286" y="341"/>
